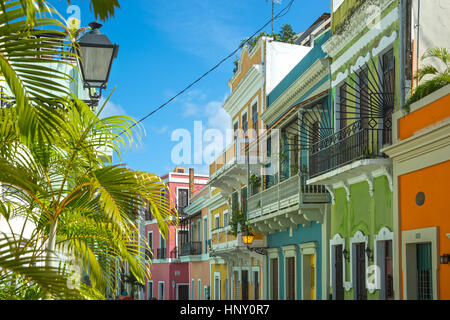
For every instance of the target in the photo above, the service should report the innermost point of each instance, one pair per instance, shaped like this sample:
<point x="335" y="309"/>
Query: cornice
<point x="357" y="24"/>
<point x="252" y="81"/>
<point x="296" y="90"/>
<point x="424" y="142"/>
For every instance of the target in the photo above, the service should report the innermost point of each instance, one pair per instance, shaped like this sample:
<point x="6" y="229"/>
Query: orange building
<point x="421" y="180"/>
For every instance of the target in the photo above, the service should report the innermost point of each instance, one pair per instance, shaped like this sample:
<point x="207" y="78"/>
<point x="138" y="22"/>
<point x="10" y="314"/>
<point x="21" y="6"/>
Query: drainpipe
<point x="402" y="56"/>
<point x="418" y="37"/>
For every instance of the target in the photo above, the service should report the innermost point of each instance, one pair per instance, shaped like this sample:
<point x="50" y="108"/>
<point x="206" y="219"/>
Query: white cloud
<point x="111" y="109"/>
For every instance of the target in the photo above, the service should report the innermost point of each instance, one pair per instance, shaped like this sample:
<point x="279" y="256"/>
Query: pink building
<point x="169" y="276"/>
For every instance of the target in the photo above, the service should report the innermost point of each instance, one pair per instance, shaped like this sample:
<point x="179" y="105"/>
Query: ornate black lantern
<point x="96" y="54"/>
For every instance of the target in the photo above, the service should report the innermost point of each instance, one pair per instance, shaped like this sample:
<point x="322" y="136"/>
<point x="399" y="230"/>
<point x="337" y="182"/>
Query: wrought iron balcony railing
<point x="191" y="248"/>
<point x="354" y="142"/>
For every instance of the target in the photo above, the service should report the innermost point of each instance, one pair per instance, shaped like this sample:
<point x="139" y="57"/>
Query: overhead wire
<point x="282" y="13"/>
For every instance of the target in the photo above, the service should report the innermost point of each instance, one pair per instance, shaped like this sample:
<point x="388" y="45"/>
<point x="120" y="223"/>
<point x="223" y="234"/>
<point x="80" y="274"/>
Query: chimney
<point x="191" y="182"/>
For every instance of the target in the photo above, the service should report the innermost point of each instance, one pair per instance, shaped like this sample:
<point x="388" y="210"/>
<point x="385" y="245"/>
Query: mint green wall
<point x="363" y="212"/>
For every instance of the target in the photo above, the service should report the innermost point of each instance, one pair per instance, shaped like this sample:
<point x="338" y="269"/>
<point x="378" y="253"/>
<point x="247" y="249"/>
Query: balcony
<point x="354" y="142"/>
<point x="191" y="248"/>
<point x="229" y="170"/>
<point x="290" y="192"/>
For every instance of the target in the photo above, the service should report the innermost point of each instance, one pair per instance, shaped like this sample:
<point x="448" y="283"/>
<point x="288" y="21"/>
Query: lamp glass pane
<point x="96" y="62"/>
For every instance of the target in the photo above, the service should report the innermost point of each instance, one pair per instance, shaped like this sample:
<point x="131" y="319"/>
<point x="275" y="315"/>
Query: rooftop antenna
<point x="273" y="6"/>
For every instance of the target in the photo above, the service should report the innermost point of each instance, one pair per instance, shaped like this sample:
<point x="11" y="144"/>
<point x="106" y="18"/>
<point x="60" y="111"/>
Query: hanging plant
<point x="238" y="219"/>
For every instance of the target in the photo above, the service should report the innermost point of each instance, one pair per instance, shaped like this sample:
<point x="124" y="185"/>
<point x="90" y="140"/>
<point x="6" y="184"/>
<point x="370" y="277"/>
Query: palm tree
<point x="56" y="172"/>
<point x="434" y="78"/>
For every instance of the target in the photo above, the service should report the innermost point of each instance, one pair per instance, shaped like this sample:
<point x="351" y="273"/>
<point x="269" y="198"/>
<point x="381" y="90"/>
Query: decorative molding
<point x="347" y="190"/>
<point x="360" y="62"/>
<point x="296" y="90"/>
<point x="339" y="78"/>
<point x="357" y="24"/>
<point x="369" y="36"/>
<point x="384" y="43"/>
<point x="331" y="191"/>
<point x="369" y="179"/>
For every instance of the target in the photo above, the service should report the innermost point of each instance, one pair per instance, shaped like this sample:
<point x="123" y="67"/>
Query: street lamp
<point x="96" y="54"/>
<point x="247" y="239"/>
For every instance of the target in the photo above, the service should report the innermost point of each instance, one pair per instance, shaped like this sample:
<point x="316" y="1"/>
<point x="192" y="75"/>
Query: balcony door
<point x="244" y="284"/>
<point x="274" y="279"/>
<point x="338" y="272"/>
<point x="424" y="272"/>
<point x="290" y="278"/>
<point x="361" y="291"/>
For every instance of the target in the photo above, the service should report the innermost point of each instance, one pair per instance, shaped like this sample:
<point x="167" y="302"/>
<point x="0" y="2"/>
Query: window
<point x="193" y="289"/>
<point x="205" y="234"/>
<point x="217" y="287"/>
<point x="364" y="98"/>
<point x="217" y="221"/>
<point x="225" y="218"/>
<point x="182" y="200"/>
<point x="148" y="213"/>
<point x="199" y="230"/>
<point x="149" y="290"/>
<point x="150" y="244"/>
<point x="388" y="66"/>
<point x="342" y="108"/>
<point x="161" y="290"/>
<point x="199" y="289"/>
<point x="255" y="118"/>
<point x="244" y="123"/>
<point x="235" y="202"/>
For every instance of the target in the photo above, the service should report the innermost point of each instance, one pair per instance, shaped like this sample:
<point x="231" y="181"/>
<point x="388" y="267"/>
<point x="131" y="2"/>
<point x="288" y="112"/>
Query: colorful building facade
<point x="169" y="275"/>
<point x="293" y="216"/>
<point x="421" y="179"/>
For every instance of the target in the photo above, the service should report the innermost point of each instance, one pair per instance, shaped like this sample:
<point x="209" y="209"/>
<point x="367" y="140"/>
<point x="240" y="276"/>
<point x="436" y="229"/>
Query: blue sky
<point x="165" y="45"/>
